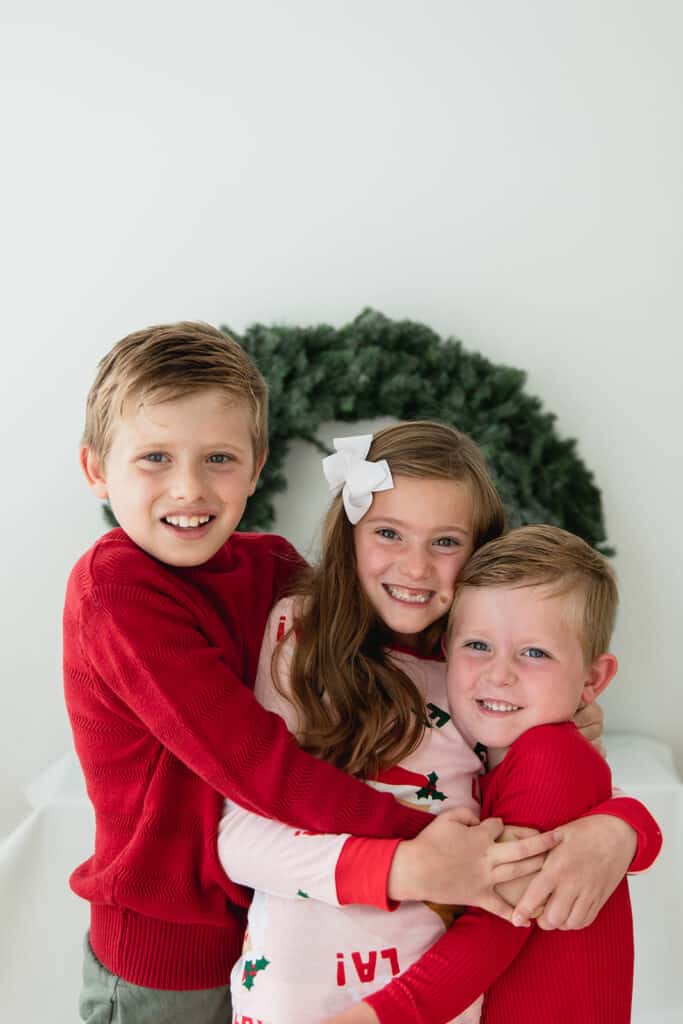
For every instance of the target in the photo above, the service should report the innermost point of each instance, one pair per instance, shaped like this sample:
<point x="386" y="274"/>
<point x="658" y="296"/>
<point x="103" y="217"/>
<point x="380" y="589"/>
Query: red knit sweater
<point x="549" y="776"/>
<point x="155" y="662"/>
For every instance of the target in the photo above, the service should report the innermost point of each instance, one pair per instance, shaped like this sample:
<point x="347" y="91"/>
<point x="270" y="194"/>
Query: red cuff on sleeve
<point x="639" y="818"/>
<point x="362" y="872"/>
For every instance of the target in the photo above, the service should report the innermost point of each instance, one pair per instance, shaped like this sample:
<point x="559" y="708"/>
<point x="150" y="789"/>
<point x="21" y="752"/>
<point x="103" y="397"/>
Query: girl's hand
<point x="580" y="875"/>
<point x="360" y="1013"/>
<point x="459" y="864"/>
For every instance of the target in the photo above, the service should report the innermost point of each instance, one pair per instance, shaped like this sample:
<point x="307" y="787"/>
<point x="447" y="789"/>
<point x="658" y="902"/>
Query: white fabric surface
<point x="43" y="923"/>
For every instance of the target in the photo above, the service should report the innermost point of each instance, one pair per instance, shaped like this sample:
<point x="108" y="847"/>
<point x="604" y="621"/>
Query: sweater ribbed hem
<point x="163" y="954"/>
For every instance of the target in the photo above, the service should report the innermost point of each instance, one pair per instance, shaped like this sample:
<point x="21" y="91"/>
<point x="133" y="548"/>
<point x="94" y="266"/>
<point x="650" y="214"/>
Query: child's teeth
<point x="408" y="595"/>
<point x="494" y="705"/>
<point x="187" y="521"/>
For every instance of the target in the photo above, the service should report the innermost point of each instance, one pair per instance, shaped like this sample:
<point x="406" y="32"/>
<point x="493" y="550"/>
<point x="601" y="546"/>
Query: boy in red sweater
<point x="162" y="628"/>
<point x="530" y="626"/>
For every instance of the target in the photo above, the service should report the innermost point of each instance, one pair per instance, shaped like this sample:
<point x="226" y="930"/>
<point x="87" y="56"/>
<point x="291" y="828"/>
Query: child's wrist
<point x="403" y="881"/>
<point x="625" y="834"/>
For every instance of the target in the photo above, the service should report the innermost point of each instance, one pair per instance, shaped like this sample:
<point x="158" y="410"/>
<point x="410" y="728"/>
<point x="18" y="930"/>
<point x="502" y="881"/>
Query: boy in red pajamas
<point x="529" y="630"/>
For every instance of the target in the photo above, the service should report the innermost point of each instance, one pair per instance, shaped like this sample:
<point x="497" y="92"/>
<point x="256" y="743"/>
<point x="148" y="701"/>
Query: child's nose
<point x="415" y="565"/>
<point x="500" y="671"/>
<point x="187" y="484"/>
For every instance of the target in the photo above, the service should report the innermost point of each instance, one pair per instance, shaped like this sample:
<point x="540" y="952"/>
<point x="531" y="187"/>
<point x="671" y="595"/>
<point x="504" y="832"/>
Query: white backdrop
<point x="509" y="173"/>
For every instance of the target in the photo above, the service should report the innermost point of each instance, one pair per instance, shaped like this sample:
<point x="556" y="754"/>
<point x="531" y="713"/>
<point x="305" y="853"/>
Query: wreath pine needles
<point x="375" y="366"/>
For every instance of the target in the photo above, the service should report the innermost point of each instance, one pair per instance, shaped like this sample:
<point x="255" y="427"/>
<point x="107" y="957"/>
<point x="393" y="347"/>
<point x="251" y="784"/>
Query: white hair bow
<point x="349" y="471"/>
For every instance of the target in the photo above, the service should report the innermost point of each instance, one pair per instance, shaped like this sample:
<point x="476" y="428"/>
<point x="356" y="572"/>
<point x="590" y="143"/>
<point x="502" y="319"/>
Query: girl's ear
<point x="600" y="674"/>
<point x="93" y="472"/>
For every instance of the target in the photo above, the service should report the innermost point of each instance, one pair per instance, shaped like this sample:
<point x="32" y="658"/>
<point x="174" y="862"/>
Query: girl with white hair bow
<point x="353" y="663"/>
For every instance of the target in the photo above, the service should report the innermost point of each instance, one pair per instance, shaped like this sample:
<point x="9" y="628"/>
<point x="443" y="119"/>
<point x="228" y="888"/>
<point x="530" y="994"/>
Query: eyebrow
<point x="217" y="446"/>
<point x="389" y="520"/>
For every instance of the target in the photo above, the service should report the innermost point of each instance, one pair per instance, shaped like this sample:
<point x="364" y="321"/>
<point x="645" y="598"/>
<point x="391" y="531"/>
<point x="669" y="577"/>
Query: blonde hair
<point x="358" y="709"/>
<point x="171" y="361"/>
<point x="548" y="555"/>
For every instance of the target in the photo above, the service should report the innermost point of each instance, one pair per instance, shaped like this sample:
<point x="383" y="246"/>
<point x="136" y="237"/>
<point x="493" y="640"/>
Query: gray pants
<point x="106" y="999"/>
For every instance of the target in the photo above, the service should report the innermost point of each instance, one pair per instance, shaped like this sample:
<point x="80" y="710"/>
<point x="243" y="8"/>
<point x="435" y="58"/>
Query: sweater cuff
<point x="362" y="872"/>
<point x="393" y="1004"/>
<point x="646" y="828"/>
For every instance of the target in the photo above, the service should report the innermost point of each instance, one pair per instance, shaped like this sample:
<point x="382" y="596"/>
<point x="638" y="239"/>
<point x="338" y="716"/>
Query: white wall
<point x="506" y="172"/>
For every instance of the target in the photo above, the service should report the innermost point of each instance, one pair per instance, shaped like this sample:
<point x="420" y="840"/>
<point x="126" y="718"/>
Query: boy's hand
<point x="360" y="1013"/>
<point x="513" y="891"/>
<point x="580" y="875"/>
<point x="589" y="720"/>
<point x="456" y="863"/>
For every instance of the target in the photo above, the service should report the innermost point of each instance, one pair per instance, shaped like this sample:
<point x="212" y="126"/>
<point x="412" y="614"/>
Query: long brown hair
<point x="356" y="707"/>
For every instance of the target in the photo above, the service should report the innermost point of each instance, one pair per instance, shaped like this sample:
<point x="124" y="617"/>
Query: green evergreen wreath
<point x="374" y="367"/>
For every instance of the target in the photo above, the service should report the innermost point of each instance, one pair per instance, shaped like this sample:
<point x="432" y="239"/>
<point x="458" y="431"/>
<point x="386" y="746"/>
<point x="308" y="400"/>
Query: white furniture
<point x="43" y="923"/>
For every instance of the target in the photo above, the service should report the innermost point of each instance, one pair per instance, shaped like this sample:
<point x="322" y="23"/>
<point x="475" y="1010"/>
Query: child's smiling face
<point x="410" y="547"/>
<point x="178" y="474"/>
<point x="515" y="660"/>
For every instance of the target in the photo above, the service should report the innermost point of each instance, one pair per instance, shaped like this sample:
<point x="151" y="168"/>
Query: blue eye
<point x="477" y="645"/>
<point x="387" y="533"/>
<point x="535" y="652"/>
<point x="155" y="457"/>
<point x="447" y="542"/>
<point x="220" y="458"/>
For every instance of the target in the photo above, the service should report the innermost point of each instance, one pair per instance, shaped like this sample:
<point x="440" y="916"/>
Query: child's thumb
<point x="494" y="826"/>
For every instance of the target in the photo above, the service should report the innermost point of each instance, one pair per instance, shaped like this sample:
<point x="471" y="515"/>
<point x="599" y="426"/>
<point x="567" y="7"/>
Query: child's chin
<point x="182" y="555"/>
<point x="498" y="733"/>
